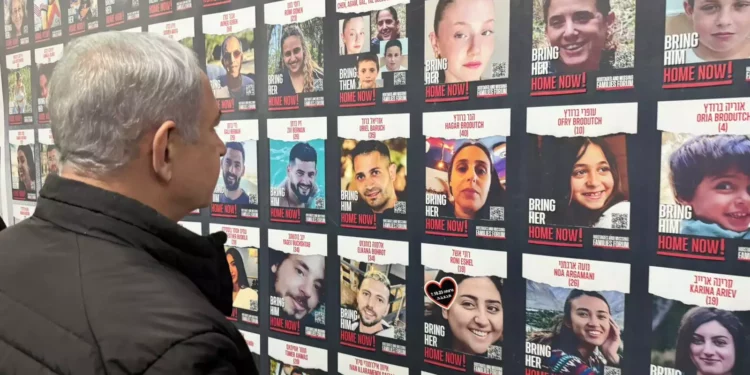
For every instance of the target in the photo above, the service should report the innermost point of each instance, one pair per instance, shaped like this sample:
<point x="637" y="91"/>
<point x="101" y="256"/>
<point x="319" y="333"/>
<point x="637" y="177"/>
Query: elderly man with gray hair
<point x="102" y="279"/>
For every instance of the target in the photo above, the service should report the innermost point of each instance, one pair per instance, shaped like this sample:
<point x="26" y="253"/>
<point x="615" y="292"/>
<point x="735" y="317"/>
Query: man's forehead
<point x="232" y="43"/>
<point x="374" y="286"/>
<point x="234" y="154"/>
<point x="373" y="157"/>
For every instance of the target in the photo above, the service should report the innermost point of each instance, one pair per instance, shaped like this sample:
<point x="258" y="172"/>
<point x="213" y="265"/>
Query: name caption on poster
<point x="234" y="234"/>
<point x="540" y="59"/>
<point x="534" y="354"/>
<point x="713" y="287"/>
<point x="354" y="3"/>
<point x="364" y="366"/>
<point x="373" y="249"/>
<point x="293" y="9"/>
<point x="574" y="272"/>
<point x="296" y="241"/>
<point x="232" y="130"/>
<point x="723" y="114"/>
<point x="296" y="353"/>
<point x="579" y="118"/>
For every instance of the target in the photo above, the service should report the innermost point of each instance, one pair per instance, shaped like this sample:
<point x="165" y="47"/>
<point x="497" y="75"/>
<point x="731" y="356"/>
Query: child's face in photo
<point x="368" y="72"/>
<point x="724" y="199"/>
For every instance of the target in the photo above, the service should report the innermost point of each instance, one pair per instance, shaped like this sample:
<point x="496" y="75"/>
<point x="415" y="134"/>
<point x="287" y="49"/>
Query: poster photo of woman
<point x="571" y="37"/>
<point x="575" y="329"/>
<point x="23" y="156"/>
<point x="473" y="325"/>
<point x="20" y="101"/>
<point x="699" y="322"/>
<point x="466" y="41"/>
<point x="465" y="172"/>
<point x="17" y="20"/>
<point x="241" y="251"/>
<point x="579" y="159"/>
<point x="295" y="54"/>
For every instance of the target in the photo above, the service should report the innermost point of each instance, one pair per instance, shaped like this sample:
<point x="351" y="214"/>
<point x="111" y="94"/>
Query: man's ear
<point x="163" y="149"/>
<point x="392" y="171"/>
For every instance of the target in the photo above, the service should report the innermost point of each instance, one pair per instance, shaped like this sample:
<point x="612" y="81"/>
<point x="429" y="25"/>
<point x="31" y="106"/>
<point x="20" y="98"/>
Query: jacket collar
<point x="103" y="214"/>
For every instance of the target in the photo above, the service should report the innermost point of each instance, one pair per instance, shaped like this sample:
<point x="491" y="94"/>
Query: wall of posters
<point x="20" y="102"/>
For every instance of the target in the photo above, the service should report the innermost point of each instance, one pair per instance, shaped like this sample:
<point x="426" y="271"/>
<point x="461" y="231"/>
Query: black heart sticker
<point x="442" y="293"/>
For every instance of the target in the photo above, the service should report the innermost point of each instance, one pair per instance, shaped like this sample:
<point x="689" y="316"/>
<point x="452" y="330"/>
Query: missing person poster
<point x="298" y="290"/>
<point x="230" y="58"/>
<point x="287" y="358"/>
<point x="241" y="249"/>
<point x="579" y="41"/>
<point x="22" y="212"/>
<point x="704" y="208"/>
<point x="236" y="191"/>
<point x="254" y="343"/>
<point x="182" y="30"/>
<point x="47" y="20"/>
<point x="703" y="42"/>
<point x="297" y="164"/>
<point x="46" y="59"/>
<point x="373" y="171"/>
<point x="83" y="15"/>
<point x="295" y="54"/>
<point x="463" y="308"/>
<point x="373" y="52"/>
<point x="465" y="172"/>
<point x="49" y="155"/>
<point x="193" y="226"/>
<point x="20" y="101"/>
<point x="16" y="23"/>
<point x="23" y="156"/>
<point x="699" y="322"/>
<point x="351" y="365"/>
<point x="373" y="294"/>
<point x="578" y="175"/>
<point x="117" y="12"/>
<point x="466" y="49"/>
<point x="575" y="315"/>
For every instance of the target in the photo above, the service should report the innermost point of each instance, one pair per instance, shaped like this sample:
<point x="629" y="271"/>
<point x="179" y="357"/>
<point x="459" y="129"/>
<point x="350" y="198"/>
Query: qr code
<point x="620" y="221"/>
<point x="320" y="203"/>
<point x="497" y="213"/>
<point x="495" y="352"/>
<point x="611" y="370"/>
<point x="253" y="198"/>
<point x="499" y="70"/>
<point x="400" y="333"/>
<point x="320" y="316"/>
<point x="400" y="208"/>
<point x="399" y="78"/>
<point x="253" y="305"/>
<point x="318" y="84"/>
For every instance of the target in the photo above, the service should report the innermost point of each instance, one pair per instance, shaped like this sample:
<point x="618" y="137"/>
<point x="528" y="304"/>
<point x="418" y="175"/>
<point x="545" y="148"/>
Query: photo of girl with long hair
<point x="474" y="322"/>
<point x="469" y="173"/>
<point x="698" y="340"/>
<point x="296" y="52"/>
<point x="471" y="36"/>
<point x="243" y="267"/>
<point x="588" y="179"/>
<point x="582" y="328"/>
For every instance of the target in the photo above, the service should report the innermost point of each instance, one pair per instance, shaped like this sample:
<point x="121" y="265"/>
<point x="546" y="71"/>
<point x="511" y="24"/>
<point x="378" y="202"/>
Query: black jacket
<point x="97" y="283"/>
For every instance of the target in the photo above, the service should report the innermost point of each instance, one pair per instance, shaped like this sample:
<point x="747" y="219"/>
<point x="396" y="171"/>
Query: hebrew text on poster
<point x="296" y="359"/>
<point x="351" y="365"/>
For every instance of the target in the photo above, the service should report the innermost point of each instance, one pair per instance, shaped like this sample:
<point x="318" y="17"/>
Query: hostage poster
<point x="465" y="172"/>
<point x="241" y="251"/>
<point x="373" y="294"/>
<point x="575" y="315"/>
<point x="16" y="22"/>
<point x="351" y="365"/>
<point x="46" y="59"/>
<point x="298" y="285"/>
<point x="236" y="192"/>
<point x="118" y="12"/>
<point x="579" y="190"/>
<point x="297" y="163"/>
<point x="20" y="111"/>
<point x="577" y="42"/>
<point x="83" y="15"/>
<point x="23" y="156"/>
<point x="373" y="52"/>
<point x="230" y="58"/>
<point x="22" y="212"/>
<point x="699" y="322"/>
<point x="254" y="343"/>
<point x="47" y="20"/>
<point x="288" y="358"/>
<point x="49" y="155"/>
<point x="463" y="308"/>
<point x="466" y="49"/>
<point x="373" y="171"/>
<point x="158" y="8"/>
<point x="704" y="208"/>
<point x="295" y="54"/>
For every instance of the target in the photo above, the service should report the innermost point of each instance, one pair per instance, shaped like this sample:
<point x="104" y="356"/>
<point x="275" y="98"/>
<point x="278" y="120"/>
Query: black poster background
<point x="643" y="166"/>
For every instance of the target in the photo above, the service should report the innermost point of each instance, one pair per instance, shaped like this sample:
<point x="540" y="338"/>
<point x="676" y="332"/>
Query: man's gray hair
<point x="111" y="88"/>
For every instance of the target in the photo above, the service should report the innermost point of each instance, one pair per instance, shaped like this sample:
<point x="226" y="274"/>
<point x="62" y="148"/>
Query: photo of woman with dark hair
<point x="242" y="293"/>
<point x="710" y="341"/>
<point x="473" y="183"/>
<point x="474" y="322"/>
<point x="584" y="338"/>
<point x="26" y="169"/>
<point x="585" y="181"/>
<point x="299" y="68"/>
